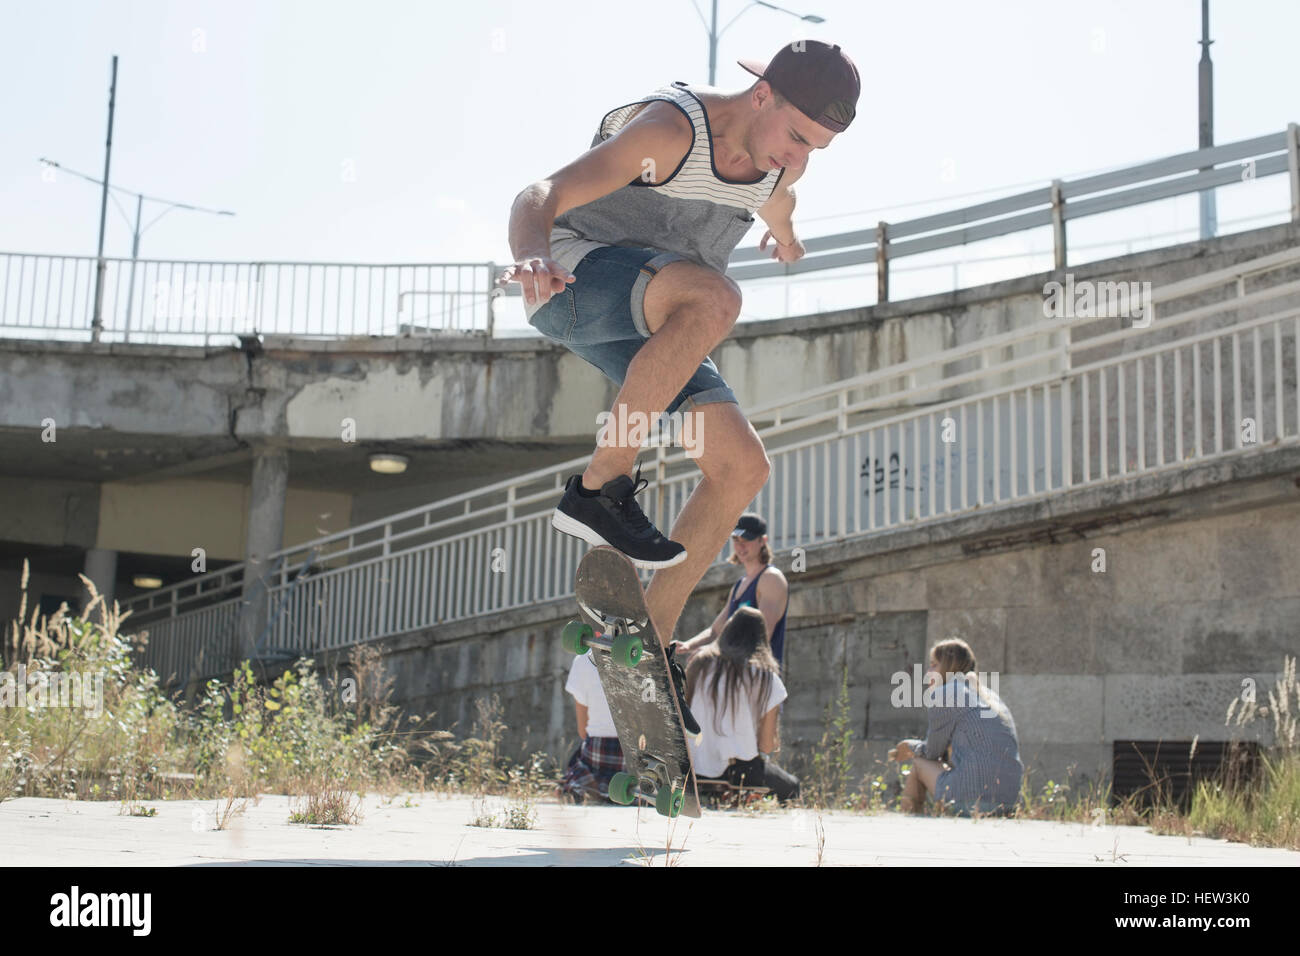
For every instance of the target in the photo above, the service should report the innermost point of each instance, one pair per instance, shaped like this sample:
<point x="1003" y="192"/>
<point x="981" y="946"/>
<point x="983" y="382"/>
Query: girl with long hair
<point x="735" y="691"/>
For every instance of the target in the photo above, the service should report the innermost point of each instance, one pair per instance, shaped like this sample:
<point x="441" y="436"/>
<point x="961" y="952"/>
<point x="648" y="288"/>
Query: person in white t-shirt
<point x="599" y="756"/>
<point x="735" y="691"/>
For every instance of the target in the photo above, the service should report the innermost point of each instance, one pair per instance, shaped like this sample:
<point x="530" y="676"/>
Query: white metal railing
<point x="1058" y="404"/>
<point x="1050" y="205"/>
<point x="198" y="644"/>
<point x="1053" y="205"/>
<point x="192" y="302"/>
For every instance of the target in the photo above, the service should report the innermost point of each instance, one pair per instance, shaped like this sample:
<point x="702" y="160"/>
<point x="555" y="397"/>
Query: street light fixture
<point x="139" y="204"/>
<point x="715" y="33"/>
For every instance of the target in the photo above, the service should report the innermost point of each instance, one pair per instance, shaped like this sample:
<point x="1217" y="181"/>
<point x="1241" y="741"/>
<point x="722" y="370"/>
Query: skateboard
<point x="633" y="667"/>
<point x="722" y="790"/>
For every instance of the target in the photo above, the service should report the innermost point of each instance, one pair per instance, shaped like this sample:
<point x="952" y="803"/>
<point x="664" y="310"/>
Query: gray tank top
<point x="693" y="212"/>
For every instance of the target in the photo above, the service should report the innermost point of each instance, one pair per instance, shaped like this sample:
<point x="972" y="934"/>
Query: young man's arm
<point x="778" y="213"/>
<point x="655" y="139"/>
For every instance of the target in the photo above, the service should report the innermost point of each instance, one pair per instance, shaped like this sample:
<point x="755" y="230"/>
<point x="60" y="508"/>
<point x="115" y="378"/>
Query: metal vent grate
<point x="1153" y="770"/>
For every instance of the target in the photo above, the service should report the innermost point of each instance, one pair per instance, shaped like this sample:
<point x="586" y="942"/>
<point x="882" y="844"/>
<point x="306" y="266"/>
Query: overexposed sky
<point x="391" y="131"/>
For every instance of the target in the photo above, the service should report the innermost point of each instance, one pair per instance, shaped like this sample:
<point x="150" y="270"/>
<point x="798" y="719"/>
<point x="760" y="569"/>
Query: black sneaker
<point x="679" y="685"/>
<point x="613" y="517"/>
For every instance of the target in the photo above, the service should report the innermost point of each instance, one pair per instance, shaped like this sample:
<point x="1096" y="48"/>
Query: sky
<point x="389" y="131"/>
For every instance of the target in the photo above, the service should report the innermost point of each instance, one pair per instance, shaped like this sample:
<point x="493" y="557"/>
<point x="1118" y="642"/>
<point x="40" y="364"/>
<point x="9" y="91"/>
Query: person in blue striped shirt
<point x="970" y="726"/>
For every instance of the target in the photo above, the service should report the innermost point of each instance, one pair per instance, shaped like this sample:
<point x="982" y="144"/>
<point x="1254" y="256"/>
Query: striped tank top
<point x="693" y="211"/>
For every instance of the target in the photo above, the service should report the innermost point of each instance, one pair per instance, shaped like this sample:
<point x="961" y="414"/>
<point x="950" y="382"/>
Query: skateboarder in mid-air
<point x="622" y="256"/>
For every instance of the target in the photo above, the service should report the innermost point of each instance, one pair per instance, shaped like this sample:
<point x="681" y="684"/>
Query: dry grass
<point x="327" y="804"/>
<point x="307" y="733"/>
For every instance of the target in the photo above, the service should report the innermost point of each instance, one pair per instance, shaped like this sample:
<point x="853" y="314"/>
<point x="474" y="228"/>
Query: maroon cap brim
<point x="757" y="67"/>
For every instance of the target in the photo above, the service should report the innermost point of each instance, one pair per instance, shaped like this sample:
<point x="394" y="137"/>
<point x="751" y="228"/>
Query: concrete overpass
<point x="124" y="458"/>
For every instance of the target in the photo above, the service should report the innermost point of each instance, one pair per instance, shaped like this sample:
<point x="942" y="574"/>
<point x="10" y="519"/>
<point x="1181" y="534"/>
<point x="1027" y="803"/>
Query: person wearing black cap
<point x="763" y="587"/>
<point x="622" y="258"/>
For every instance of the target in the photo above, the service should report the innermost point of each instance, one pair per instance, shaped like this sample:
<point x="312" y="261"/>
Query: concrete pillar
<point x="265" y="536"/>
<point x="101" y="567"/>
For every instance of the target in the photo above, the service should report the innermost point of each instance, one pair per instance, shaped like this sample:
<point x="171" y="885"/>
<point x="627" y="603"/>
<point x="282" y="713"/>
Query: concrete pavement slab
<point x="436" y="830"/>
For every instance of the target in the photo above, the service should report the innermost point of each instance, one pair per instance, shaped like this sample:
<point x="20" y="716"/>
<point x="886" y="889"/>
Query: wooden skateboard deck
<point x="640" y="696"/>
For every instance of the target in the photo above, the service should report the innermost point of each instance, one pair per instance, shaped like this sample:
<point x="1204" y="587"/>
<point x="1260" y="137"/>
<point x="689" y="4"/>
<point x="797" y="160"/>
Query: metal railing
<point x="1059" y="404"/>
<point x="1053" y="205"/>
<point x="191" y="302"/>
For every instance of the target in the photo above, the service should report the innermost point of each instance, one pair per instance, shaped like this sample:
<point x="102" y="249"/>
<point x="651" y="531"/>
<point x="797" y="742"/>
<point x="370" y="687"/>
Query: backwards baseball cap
<point x="750" y="527"/>
<point x="818" y="78"/>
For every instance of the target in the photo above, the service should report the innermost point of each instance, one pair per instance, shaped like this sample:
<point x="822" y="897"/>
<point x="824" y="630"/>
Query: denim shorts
<point x="599" y="317"/>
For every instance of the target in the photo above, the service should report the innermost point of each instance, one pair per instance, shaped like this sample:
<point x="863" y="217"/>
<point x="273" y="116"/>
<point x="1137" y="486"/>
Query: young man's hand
<point x="782" y="252"/>
<point x="539" y="277"/>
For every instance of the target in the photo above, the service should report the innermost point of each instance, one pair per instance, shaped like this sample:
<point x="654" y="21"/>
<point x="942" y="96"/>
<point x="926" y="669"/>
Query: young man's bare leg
<point x="688" y="309"/>
<point x="735" y="469"/>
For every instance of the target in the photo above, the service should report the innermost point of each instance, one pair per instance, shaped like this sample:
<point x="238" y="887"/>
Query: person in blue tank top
<point x="762" y="587"/>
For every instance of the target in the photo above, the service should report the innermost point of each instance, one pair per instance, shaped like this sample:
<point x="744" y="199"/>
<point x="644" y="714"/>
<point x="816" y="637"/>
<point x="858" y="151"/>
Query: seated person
<point x="735" y="691"/>
<point x="984" y="770"/>
<point x="599" y="756"/>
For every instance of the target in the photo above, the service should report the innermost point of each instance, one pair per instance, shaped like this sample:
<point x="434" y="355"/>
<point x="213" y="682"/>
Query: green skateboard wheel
<point x="669" y="800"/>
<point x="627" y="650"/>
<point x="622" y="788"/>
<point x="574" y="637"/>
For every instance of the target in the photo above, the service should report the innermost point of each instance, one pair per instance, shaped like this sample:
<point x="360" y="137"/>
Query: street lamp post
<point x="96" y="320"/>
<point x="136" y="231"/>
<point x="1205" y="89"/>
<point x="715" y="34"/>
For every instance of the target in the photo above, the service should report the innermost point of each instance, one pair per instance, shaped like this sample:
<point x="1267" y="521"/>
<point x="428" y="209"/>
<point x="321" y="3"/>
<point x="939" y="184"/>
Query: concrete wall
<point x="52" y="523"/>
<point x="174" y="517"/>
<point x="1201" y="591"/>
<point x="512" y="389"/>
<point x="39" y="584"/>
<point x="50" y="512"/>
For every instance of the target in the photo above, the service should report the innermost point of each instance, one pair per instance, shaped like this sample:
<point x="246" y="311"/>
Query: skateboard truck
<point x="621" y="638"/>
<point x="656" y="780"/>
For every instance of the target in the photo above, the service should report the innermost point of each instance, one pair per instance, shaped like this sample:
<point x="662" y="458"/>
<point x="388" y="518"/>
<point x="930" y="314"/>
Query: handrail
<point x="1054" y="204"/>
<point x="1062" y="200"/>
<point x="181" y="300"/>
<point x="1168" y="293"/>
